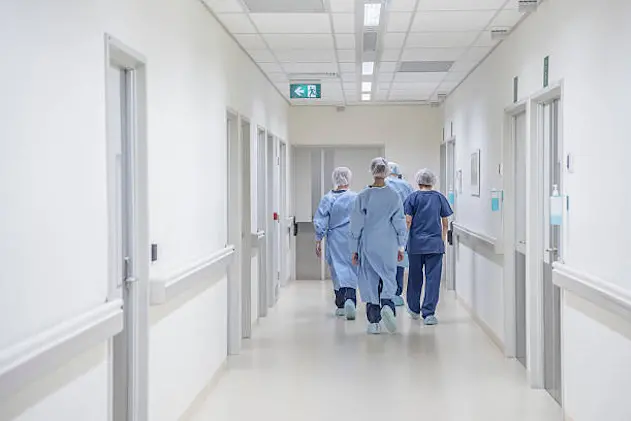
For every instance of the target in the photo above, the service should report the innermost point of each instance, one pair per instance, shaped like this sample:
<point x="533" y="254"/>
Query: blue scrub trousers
<point x="400" y="273"/>
<point x="343" y="294"/>
<point x="433" y="265"/>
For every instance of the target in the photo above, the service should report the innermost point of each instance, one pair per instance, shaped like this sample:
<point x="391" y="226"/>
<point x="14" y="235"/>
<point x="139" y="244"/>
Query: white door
<point x="284" y="230"/>
<point x="520" y="251"/>
<point x="246" y="229"/>
<point x="552" y="181"/>
<point x="261" y="219"/>
<point x="272" y="229"/>
<point x="450" y="183"/>
<point x="128" y="245"/>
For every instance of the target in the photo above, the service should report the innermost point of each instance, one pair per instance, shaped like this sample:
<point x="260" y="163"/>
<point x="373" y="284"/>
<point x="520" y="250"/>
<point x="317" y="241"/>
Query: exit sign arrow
<point x="300" y="92"/>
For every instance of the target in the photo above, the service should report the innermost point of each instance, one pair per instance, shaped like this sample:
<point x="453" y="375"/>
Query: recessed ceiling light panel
<point x="424" y="66"/>
<point x="284" y="6"/>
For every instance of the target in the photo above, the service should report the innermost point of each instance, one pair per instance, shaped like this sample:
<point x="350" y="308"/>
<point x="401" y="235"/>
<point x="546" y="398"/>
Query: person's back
<point x="427" y="208"/>
<point x="342" y="202"/>
<point x="401" y="187"/>
<point x="379" y="205"/>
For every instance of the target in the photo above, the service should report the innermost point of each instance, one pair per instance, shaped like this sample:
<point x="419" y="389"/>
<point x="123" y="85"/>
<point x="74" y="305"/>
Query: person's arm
<point x="399" y="224"/>
<point x="408" y="221"/>
<point x="445" y="222"/>
<point x="321" y="223"/>
<point x="445" y="213"/>
<point x="408" y="209"/>
<point x="357" y="227"/>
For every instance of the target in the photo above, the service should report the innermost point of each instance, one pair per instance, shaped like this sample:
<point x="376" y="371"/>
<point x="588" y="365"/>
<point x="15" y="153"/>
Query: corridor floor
<point x="303" y="364"/>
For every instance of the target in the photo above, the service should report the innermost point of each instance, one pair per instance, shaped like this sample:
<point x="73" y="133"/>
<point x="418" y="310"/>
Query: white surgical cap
<point x="341" y="176"/>
<point x="394" y="168"/>
<point x="425" y="178"/>
<point x="379" y="168"/>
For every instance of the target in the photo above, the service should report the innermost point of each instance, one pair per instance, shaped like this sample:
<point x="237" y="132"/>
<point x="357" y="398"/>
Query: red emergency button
<point x="275" y="216"/>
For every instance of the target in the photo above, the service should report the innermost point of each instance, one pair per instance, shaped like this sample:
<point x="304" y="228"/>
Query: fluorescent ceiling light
<point x="372" y="13"/>
<point x="366" y="86"/>
<point x="365" y="97"/>
<point x="368" y="67"/>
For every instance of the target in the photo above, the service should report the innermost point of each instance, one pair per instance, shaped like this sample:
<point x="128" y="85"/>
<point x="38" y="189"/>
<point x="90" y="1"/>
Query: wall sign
<point x="546" y="71"/>
<point x="305" y="90"/>
<point x="475" y="173"/>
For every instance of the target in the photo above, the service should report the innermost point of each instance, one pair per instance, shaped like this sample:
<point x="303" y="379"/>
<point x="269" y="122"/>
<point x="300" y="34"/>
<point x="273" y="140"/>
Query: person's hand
<point x="319" y="249"/>
<point x="355" y="259"/>
<point x="401" y="256"/>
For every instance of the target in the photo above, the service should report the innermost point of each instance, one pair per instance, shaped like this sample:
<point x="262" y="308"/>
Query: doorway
<point x="261" y="220"/>
<point x="448" y="168"/>
<point x="551" y="247"/>
<point x="519" y="191"/>
<point x="273" y="276"/>
<point x="235" y="328"/>
<point x="246" y="227"/>
<point x="284" y="226"/>
<point x="128" y="227"/>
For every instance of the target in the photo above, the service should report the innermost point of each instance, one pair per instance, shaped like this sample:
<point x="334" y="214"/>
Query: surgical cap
<point x="425" y="178"/>
<point x="394" y="168"/>
<point x="379" y="168"/>
<point x="341" y="176"/>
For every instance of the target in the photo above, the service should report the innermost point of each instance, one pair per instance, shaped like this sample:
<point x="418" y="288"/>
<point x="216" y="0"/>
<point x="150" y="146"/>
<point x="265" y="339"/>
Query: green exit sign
<point x="305" y="90"/>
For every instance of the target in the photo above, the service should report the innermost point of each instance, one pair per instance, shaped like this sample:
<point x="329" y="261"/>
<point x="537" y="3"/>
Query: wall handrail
<point x="163" y="290"/>
<point x="604" y="294"/>
<point x="46" y="351"/>
<point x="486" y="240"/>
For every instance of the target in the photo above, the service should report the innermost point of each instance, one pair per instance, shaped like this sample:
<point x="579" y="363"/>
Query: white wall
<point x="53" y="221"/>
<point x="582" y="39"/>
<point x="411" y="134"/>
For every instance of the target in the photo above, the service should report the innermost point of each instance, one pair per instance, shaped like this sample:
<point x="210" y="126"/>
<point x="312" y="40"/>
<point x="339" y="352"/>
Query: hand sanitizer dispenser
<point x="556" y="207"/>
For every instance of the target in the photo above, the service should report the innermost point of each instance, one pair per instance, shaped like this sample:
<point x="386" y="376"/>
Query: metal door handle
<point x="522" y="242"/>
<point x="552" y="250"/>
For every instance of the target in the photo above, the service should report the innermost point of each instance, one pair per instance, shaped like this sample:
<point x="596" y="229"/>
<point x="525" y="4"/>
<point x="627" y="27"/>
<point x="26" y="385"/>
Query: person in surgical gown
<point x="403" y="189"/>
<point x="332" y="220"/>
<point x="427" y="212"/>
<point x="378" y="234"/>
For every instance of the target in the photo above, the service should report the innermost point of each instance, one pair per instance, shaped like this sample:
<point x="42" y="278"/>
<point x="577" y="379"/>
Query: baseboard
<point x="202" y="396"/>
<point x="483" y="325"/>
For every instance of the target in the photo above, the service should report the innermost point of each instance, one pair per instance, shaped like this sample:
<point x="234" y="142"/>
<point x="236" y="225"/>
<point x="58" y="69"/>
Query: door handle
<point x="551" y="250"/>
<point x="522" y="242"/>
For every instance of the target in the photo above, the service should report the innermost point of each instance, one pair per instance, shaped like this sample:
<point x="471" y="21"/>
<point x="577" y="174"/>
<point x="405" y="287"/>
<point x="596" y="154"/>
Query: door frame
<point x="507" y="245"/>
<point x="283" y="236"/>
<point x="135" y="336"/>
<point x="245" y="176"/>
<point x="261" y="217"/>
<point x="233" y="222"/>
<point x="271" y="204"/>
<point x="535" y="228"/>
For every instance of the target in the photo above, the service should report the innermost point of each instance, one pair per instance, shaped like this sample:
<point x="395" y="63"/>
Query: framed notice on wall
<point x="475" y="173"/>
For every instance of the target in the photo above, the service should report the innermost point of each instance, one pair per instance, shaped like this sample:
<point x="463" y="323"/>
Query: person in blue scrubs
<point x="378" y="233"/>
<point x="426" y="212"/>
<point x="332" y="220"/>
<point x="403" y="189"/>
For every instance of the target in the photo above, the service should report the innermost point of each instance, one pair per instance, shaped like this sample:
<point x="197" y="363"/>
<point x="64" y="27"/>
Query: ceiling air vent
<point x="425" y="66"/>
<point x="370" y="41"/>
<point x="499" y="34"/>
<point x="310" y="77"/>
<point x="526" y="6"/>
<point x="442" y="97"/>
<point x="284" y="6"/>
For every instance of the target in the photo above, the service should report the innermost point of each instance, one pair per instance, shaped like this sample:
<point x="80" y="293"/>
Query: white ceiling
<point x="285" y="43"/>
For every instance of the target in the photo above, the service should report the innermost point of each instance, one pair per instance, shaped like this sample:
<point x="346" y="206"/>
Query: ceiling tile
<point x="309" y="67"/>
<point x="345" y="41"/>
<point x="385" y="77"/>
<point x="402" y="5"/>
<point x="262" y="56"/>
<point x="223" y="6"/>
<point x="348" y="77"/>
<point x="343" y="6"/>
<point x="388" y="66"/>
<point x="348" y="67"/>
<point x="346" y="56"/>
<point x="299" y="41"/>
<point x="455" y="76"/>
<point x="352" y="86"/>
<point x="408" y="96"/>
<point x="394" y="40"/>
<point x="391" y="55"/>
<point x="448" y="86"/>
<point x="251" y="42"/>
<point x="306" y="56"/>
<point x="441" y="39"/>
<point x="277" y="77"/>
<point x="432" y="54"/>
<point x="464" y="66"/>
<point x="237" y="23"/>
<point x="292" y="23"/>
<point x="461" y="4"/>
<point x="344" y="23"/>
<point x="508" y="17"/>
<point x="415" y="87"/>
<point x="385" y="85"/>
<point x="284" y="6"/>
<point x="382" y="96"/>
<point x="271" y="67"/>
<point x="452" y="21"/>
<point x="434" y="77"/>
<point x="399" y="21"/>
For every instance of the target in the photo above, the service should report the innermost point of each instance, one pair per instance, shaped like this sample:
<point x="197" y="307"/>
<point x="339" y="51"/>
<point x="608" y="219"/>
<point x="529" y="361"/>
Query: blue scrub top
<point x="426" y="207"/>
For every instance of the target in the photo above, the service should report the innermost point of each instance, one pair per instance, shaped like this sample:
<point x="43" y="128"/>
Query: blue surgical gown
<point x="427" y="208"/>
<point x="332" y="220"/>
<point x="403" y="189"/>
<point x="378" y="230"/>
